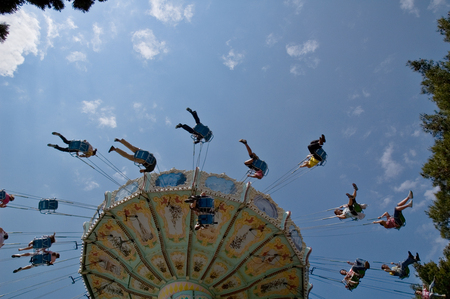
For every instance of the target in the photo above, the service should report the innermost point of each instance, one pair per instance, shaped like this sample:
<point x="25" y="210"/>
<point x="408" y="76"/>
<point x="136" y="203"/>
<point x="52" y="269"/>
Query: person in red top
<point x="5" y="198"/>
<point x="396" y="222"/>
<point x="429" y="294"/>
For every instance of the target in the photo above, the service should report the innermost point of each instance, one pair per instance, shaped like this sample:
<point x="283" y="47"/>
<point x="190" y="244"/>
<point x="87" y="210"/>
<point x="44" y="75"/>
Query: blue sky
<point x="277" y="73"/>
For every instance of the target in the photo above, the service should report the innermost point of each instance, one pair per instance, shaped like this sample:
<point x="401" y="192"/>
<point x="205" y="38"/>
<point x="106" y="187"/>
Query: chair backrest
<point x="40" y="259"/>
<point x="41" y="243"/>
<point x="205" y="202"/>
<point x="79" y="145"/>
<point x="320" y="152"/>
<point x="146" y="156"/>
<point x="48" y="206"/>
<point x="260" y="165"/>
<point x="204" y="131"/>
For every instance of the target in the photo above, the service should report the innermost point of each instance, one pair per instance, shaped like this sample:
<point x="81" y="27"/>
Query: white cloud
<point x="90" y="185"/>
<point x="350" y="131"/>
<point x="170" y="12"/>
<point x="90" y="107"/>
<point x="297" y="4"/>
<point x="356" y="111"/>
<point x="23" y="39"/>
<point x="76" y="56"/>
<point x="309" y="46"/>
<point x="271" y="40"/>
<point x="146" y="44"/>
<point x="407" y="185"/>
<point x="416" y="133"/>
<point x="385" y="65"/>
<point x="435" y="243"/>
<point x="168" y="122"/>
<point x="297" y="70"/>
<point x="366" y="94"/>
<point x="232" y="59"/>
<point x="96" y="41"/>
<point x="141" y="112"/>
<point x="430" y="194"/>
<point x="408" y="5"/>
<point x="53" y="30"/>
<point x="435" y="5"/>
<point x="104" y="116"/>
<point x="385" y="202"/>
<point x="391" y="168"/>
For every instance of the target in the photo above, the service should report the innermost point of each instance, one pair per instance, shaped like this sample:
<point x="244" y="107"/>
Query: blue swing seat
<point x="47" y="206"/>
<point x="81" y="146"/>
<point x="260" y="165"/>
<point x="146" y="156"/>
<point x="203" y="131"/>
<point x="206" y="219"/>
<point x="41" y="243"/>
<point x="320" y="152"/>
<point x="2" y="195"/>
<point x="41" y="259"/>
<point x="206" y="204"/>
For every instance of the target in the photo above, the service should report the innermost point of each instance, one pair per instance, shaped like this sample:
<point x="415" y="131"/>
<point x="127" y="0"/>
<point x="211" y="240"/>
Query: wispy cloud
<point x="23" y="39"/>
<point x="53" y="30"/>
<point x="356" y="111"/>
<point x="141" y="112"/>
<point x="296" y="4"/>
<point x="435" y="5"/>
<point x="297" y="70"/>
<point x="146" y="44"/>
<point x="390" y="166"/>
<point x="78" y="58"/>
<point x="271" y="40"/>
<point x="298" y="51"/>
<point x="233" y="58"/>
<point x="408" y="6"/>
<point x="433" y="240"/>
<point x="170" y="11"/>
<point x="385" y="65"/>
<point x="407" y="185"/>
<point x="96" y="41"/>
<point x="350" y="131"/>
<point x="103" y="115"/>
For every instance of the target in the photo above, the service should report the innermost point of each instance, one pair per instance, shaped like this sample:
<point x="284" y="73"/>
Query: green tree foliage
<point x="442" y="273"/>
<point x="436" y="83"/>
<point x="12" y="6"/>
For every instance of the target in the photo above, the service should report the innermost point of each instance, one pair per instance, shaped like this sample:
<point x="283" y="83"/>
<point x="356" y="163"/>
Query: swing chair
<point x="260" y="165"/>
<point x="48" y="206"/>
<point x="206" y="219"/>
<point x="321" y="153"/>
<point x="42" y="243"/>
<point x="79" y="146"/>
<point x="205" y="205"/>
<point x="41" y="259"/>
<point x="204" y="132"/>
<point x="2" y="195"/>
<point x="148" y="158"/>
